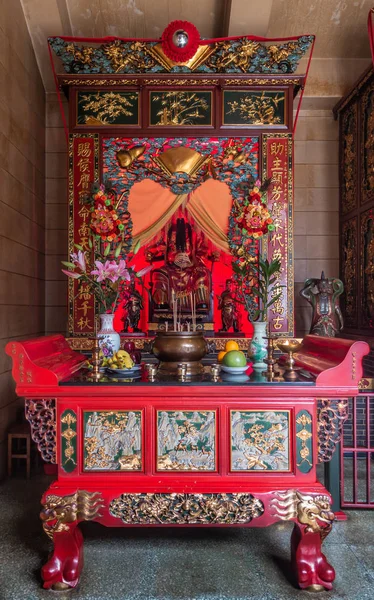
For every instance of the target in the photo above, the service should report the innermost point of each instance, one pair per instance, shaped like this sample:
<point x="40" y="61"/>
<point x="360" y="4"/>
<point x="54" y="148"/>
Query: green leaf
<point x="106" y="250"/>
<point x="90" y="242"/>
<point x="79" y="247"/>
<point x="137" y="247"/>
<point x="237" y="269"/>
<point x="118" y="250"/>
<point x="274" y="300"/>
<point x="68" y="264"/>
<point x="256" y="314"/>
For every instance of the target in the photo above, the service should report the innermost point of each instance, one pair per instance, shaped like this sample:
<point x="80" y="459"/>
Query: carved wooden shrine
<point x="356" y="142"/>
<point x="224" y="115"/>
<point x="213" y="451"/>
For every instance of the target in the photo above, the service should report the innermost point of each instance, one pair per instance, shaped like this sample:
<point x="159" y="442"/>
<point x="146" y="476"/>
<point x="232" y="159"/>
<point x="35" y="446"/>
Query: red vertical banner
<point x="277" y="164"/>
<point x="83" y="170"/>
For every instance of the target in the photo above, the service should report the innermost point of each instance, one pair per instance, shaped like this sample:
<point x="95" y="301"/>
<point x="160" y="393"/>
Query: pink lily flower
<point x="79" y="260"/>
<point x="72" y="274"/>
<point x="104" y="271"/>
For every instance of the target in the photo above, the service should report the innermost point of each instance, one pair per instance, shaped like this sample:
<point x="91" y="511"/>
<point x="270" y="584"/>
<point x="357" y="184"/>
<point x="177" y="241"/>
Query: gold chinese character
<point x="276" y="193"/>
<point x="84" y="181"/>
<point x="278" y="322"/>
<point x="83" y="229"/>
<point x="84" y="213"/>
<point x="84" y="292"/>
<point x="84" y="307"/>
<point x="276" y="148"/>
<point x="277" y="177"/>
<point x="277" y="237"/>
<point x="277" y="164"/>
<point x="84" y="322"/>
<point x="84" y="149"/>
<point x="84" y="165"/>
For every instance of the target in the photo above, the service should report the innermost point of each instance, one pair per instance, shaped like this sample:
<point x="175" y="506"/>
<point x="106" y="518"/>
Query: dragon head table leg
<point x="313" y="522"/>
<point x="61" y="516"/>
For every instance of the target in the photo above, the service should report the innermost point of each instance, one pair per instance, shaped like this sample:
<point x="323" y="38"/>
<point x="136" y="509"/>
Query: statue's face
<point x="177" y="257"/>
<point x="323" y="286"/>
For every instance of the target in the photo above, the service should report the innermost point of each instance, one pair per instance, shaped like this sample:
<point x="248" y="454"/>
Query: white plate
<point x="134" y="369"/>
<point x="234" y="370"/>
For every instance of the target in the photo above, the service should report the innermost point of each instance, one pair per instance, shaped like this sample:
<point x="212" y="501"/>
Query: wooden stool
<point x="19" y="431"/>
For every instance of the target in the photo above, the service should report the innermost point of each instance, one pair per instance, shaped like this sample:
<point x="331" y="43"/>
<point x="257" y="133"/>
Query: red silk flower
<point x="174" y="52"/>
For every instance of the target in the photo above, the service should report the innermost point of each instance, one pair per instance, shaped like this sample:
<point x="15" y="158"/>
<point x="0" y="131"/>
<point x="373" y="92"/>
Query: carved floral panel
<point x="367" y="144"/>
<point x="349" y="159"/>
<point x="180" y="108"/>
<point x="113" y="440"/>
<point x="98" y="109"/>
<point x="254" y="108"/>
<point x="260" y="440"/>
<point x="367" y="268"/>
<point x="186" y="440"/>
<point x="349" y="271"/>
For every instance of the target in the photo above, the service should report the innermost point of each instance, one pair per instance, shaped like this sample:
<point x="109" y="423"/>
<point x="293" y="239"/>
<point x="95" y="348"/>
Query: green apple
<point x="234" y="358"/>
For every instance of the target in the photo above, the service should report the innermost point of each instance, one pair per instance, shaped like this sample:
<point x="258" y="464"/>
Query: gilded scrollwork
<point x="98" y="82"/>
<point x="59" y="511"/>
<point x="239" y="55"/>
<point x="41" y="414"/>
<point x="349" y="159"/>
<point x="314" y="511"/>
<point x="331" y="416"/>
<point x="367" y="267"/>
<point x="180" y="509"/>
<point x="367" y="144"/>
<point x="349" y="271"/>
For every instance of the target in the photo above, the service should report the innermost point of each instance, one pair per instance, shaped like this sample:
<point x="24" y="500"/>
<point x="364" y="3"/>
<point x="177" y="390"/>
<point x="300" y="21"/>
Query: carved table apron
<point x="185" y="454"/>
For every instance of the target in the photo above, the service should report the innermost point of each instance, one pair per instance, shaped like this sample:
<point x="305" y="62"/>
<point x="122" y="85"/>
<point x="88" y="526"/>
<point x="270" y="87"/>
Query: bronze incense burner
<point x="172" y="348"/>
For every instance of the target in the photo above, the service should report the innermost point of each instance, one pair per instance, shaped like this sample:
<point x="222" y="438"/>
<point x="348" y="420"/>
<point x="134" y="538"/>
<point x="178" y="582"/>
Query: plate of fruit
<point x="121" y="363"/>
<point x="233" y="360"/>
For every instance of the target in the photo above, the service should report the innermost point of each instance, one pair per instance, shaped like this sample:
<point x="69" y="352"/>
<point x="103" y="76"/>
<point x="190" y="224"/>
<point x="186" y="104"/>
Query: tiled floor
<point x="176" y="564"/>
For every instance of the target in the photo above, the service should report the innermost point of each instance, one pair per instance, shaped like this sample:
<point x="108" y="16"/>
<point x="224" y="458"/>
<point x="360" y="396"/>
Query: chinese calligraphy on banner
<point x="277" y="164"/>
<point x="83" y="170"/>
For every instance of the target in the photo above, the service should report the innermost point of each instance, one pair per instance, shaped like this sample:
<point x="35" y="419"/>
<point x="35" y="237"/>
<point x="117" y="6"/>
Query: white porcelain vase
<point x="109" y="339"/>
<point x="258" y="347"/>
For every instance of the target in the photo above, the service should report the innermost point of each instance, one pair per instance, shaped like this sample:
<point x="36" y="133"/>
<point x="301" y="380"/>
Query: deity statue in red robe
<point x="184" y="275"/>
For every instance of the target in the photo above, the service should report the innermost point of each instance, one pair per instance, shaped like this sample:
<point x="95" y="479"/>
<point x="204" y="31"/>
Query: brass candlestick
<point x="215" y="369"/>
<point x="270" y="361"/>
<point x="96" y="359"/>
<point x="289" y="346"/>
<point x="151" y="370"/>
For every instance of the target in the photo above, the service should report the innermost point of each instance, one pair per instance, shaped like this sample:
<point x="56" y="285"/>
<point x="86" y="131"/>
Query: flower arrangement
<point x="106" y="224"/>
<point x="107" y="279"/>
<point x="253" y="216"/>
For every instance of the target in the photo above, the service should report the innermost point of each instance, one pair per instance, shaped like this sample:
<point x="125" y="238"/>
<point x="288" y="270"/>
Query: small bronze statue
<point x="228" y="305"/>
<point x="323" y="294"/>
<point x="133" y="304"/>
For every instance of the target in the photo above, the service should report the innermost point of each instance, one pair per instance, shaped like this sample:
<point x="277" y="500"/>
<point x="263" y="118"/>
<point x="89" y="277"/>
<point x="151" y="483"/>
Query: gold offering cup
<point x="173" y="348"/>
<point x="289" y="346"/>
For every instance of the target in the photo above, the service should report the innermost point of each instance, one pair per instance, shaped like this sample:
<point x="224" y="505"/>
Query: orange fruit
<point x="221" y="355"/>
<point x="231" y="345"/>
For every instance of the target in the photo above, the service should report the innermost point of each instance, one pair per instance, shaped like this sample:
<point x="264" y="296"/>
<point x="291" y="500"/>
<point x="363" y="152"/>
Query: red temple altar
<point x="172" y="143"/>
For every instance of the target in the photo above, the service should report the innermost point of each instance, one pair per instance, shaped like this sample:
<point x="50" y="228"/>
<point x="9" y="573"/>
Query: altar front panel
<point x="155" y="439"/>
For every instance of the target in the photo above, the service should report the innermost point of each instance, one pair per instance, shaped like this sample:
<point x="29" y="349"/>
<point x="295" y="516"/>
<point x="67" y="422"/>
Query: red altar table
<point x="197" y="453"/>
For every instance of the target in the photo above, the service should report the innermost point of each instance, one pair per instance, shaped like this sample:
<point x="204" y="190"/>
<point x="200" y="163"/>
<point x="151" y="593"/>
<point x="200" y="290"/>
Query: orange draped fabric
<point x="151" y="206"/>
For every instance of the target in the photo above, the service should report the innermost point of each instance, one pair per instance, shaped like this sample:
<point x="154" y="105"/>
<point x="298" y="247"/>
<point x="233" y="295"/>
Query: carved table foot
<point x="313" y="572"/>
<point x="63" y="569"/>
<point x="61" y="516"/>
